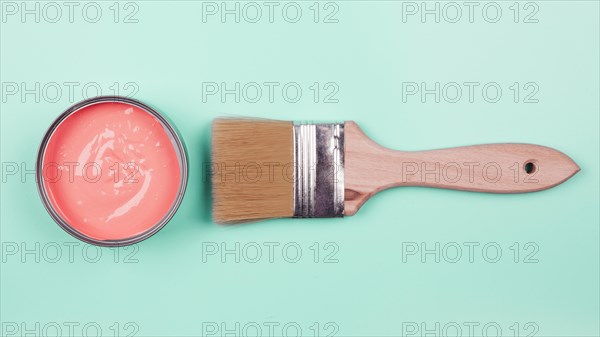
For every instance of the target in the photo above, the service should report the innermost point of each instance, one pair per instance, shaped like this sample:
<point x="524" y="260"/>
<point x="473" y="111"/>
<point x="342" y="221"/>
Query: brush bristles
<point x="253" y="172"/>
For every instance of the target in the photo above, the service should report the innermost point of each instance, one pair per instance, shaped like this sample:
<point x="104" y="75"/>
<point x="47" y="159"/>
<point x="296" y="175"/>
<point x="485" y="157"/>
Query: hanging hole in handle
<point x="529" y="167"/>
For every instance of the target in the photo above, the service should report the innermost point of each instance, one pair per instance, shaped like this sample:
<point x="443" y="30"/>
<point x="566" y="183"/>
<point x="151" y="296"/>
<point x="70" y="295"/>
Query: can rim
<point x="64" y="224"/>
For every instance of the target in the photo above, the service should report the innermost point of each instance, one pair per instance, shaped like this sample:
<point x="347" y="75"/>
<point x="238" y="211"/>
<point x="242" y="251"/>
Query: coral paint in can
<point x="111" y="171"/>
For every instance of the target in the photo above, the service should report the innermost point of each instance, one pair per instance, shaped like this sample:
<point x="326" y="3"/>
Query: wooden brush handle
<point x="493" y="168"/>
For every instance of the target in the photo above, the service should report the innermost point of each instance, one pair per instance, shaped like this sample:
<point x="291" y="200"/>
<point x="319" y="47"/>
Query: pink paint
<point x="112" y="171"/>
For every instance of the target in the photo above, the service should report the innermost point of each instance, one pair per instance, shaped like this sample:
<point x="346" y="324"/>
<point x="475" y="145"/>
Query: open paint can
<point x="111" y="171"/>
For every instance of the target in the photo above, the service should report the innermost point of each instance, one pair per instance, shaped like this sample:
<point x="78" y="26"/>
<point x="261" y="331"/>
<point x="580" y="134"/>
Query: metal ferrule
<point x="318" y="170"/>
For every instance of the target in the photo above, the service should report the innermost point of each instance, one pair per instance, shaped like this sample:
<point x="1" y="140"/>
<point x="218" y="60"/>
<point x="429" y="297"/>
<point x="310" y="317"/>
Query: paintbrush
<point x="271" y="169"/>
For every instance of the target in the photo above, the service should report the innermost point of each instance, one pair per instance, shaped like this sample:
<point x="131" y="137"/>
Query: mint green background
<point x="170" y="291"/>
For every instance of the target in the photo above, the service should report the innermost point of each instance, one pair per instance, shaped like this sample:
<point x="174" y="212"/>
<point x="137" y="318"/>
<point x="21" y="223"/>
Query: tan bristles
<point x="253" y="172"/>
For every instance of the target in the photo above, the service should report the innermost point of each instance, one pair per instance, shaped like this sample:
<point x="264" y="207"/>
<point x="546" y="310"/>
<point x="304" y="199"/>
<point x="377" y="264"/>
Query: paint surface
<point x="111" y="171"/>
